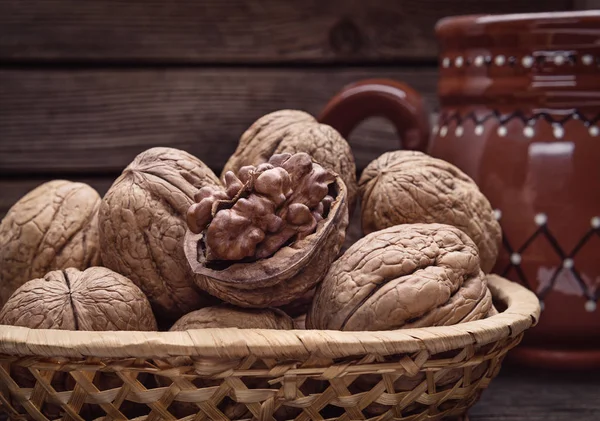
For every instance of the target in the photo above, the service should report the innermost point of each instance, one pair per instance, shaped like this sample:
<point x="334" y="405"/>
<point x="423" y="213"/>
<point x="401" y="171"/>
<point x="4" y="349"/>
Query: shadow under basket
<point x="409" y="374"/>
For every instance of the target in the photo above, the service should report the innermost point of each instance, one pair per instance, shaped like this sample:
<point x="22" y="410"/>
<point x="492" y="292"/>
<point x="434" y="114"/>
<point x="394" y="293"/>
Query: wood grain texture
<point x="525" y="394"/>
<point x="234" y="31"/>
<point x="97" y="121"/>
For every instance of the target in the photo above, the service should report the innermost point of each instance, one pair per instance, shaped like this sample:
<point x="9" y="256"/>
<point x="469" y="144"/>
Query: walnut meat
<point x="54" y="226"/>
<point x="142" y="226"/>
<point x="295" y="131"/>
<point x="411" y="275"/>
<point x="221" y="316"/>
<point x="270" y="234"/>
<point x="261" y="211"/>
<point x="96" y="299"/>
<point x="404" y="187"/>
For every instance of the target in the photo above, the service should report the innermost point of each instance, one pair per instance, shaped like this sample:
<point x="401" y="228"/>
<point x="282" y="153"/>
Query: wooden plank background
<point x="99" y="120"/>
<point x="87" y="85"/>
<point x="235" y="31"/>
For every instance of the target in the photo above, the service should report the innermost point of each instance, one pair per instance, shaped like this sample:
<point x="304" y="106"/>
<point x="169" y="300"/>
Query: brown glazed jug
<point x="520" y="114"/>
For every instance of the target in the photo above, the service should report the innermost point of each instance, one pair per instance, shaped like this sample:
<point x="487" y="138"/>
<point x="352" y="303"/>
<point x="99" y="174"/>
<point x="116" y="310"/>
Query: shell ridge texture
<point x="397" y="276"/>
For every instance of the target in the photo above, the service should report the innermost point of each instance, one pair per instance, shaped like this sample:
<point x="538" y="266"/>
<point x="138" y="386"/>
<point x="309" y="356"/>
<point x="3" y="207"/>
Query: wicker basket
<point x="411" y="374"/>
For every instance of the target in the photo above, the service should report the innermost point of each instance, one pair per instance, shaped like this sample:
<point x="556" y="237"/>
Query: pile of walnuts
<point x="173" y="246"/>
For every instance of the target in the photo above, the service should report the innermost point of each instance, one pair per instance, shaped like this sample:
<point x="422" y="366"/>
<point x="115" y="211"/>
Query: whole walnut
<point x="269" y="236"/>
<point x="226" y="315"/>
<point x="96" y="299"/>
<point x="220" y="316"/>
<point x="54" y="226"/>
<point x="292" y="131"/>
<point x="142" y="226"/>
<point x="405" y="187"/>
<point x="405" y="276"/>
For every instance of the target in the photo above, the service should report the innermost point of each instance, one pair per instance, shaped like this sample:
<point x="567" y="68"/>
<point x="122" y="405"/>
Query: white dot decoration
<point x="568" y="263"/>
<point x="587" y="59"/>
<point x="528" y="131"/>
<point x="527" y="61"/>
<point x="595" y="222"/>
<point x="444" y="131"/>
<point x="540" y="219"/>
<point x="435" y="129"/>
<point x="497" y="214"/>
<point x="559" y="60"/>
<point x="459" y="131"/>
<point x="542" y="305"/>
<point x="515" y="258"/>
<point x="479" y="130"/>
<point x="502" y="131"/>
<point x="558" y="131"/>
<point x="590" y="306"/>
<point x="594" y="131"/>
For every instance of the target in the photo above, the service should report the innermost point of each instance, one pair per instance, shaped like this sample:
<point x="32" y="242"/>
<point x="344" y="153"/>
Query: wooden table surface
<point x="524" y="394"/>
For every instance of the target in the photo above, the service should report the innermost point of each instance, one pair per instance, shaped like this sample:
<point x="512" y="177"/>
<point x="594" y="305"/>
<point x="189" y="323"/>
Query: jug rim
<point x="469" y="23"/>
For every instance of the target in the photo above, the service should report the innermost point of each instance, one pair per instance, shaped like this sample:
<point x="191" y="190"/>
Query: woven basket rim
<point x="522" y="312"/>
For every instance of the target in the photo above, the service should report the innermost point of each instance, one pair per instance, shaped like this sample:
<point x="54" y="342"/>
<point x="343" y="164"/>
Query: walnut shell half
<point x="406" y="187"/>
<point x="280" y="278"/>
<point x="54" y="226"/>
<point x="411" y="275"/>
<point x="142" y="225"/>
<point x="292" y="131"/>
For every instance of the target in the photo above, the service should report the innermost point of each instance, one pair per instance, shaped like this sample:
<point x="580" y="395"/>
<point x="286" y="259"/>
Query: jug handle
<point x="394" y="100"/>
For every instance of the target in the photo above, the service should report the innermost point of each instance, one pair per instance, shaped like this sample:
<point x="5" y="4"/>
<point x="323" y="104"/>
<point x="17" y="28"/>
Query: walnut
<point x="96" y="299"/>
<point x="269" y="235"/>
<point x="410" y="275"/>
<point x="54" y="226"/>
<point x="220" y="316"/>
<point x="259" y="212"/>
<point x="142" y="226"/>
<point x="404" y="187"/>
<point x="295" y="131"/>
<point x="226" y="315"/>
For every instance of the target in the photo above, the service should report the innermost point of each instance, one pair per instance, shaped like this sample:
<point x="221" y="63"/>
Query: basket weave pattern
<point x="412" y="374"/>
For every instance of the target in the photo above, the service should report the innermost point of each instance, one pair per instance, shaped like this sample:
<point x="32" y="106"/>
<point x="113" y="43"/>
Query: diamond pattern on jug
<point x="565" y="275"/>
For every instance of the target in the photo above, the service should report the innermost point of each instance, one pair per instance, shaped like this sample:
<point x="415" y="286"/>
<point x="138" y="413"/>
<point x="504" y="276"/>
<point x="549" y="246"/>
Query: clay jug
<point x="520" y="114"/>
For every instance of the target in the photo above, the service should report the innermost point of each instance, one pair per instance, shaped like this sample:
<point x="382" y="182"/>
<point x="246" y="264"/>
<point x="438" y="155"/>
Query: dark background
<point x="87" y="85"/>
